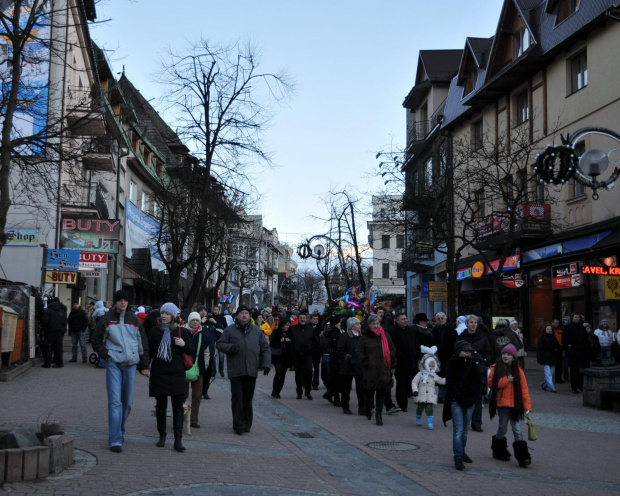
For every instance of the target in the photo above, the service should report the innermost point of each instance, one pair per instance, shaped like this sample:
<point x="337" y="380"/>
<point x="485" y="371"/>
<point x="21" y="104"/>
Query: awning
<point x="612" y="240"/>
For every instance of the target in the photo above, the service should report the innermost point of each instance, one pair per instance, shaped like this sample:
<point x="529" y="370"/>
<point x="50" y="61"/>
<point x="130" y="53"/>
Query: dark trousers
<point x="242" y="393"/>
<point x="576" y="377"/>
<point x="325" y="371"/>
<point x="303" y="374"/>
<point x="220" y="363"/>
<point x="316" y="368"/>
<point x="280" y="375"/>
<point x="476" y="417"/>
<point x="559" y="365"/>
<point x="332" y="370"/>
<point x="206" y="378"/>
<point x="346" y="381"/>
<point x="380" y="397"/>
<point x="403" y="377"/>
<point x="53" y="348"/>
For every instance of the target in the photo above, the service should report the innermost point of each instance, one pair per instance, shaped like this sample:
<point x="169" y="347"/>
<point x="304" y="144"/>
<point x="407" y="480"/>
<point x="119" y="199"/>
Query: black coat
<point x="376" y="375"/>
<point x="576" y="342"/>
<point x="55" y="317"/>
<point x="150" y="321"/>
<point x="347" y="343"/>
<point x="462" y="384"/>
<point x="206" y="342"/>
<point x="499" y="338"/>
<point x="407" y="347"/>
<point x="424" y="335"/>
<point x="302" y="338"/>
<point x="78" y="320"/>
<point x="168" y="378"/>
<point x="444" y="337"/>
<point x="283" y="353"/>
<point x="545" y="354"/>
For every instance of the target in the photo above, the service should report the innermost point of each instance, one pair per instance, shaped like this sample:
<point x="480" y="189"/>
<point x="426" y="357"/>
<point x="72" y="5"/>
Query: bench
<point x="610" y="400"/>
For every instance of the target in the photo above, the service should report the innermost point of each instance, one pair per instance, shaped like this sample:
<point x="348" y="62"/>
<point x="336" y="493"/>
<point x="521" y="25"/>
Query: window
<point x="578" y="72"/>
<point x="480" y="203"/>
<point x="522" y="107"/>
<point x="386" y="270"/>
<point x="155" y="209"/>
<point x="132" y="192"/>
<point x="521" y="42"/>
<point x="510" y="189"/>
<point x="385" y="241"/>
<point x="400" y="241"/>
<point x="578" y="189"/>
<point x="428" y="173"/>
<point x="144" y="202"/>
<point x="476" y="135"/>
<point x="566" y="9"/>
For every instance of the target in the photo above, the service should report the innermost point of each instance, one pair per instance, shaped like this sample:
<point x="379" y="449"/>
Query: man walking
<point x="316" y="350"/>
<point x="78" y="323"/>
<point x="54" y="325"/>
<point x="248" y="352"/>
<point x="120" y="340"/>
<point x="407" y="356"/>
<point x="302" y="336"/>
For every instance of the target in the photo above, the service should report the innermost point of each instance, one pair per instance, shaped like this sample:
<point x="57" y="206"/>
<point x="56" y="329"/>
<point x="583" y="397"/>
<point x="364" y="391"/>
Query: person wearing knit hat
<point x="202" y="343"/>
<point x="510" y="400"/>
<point x="120" y="341"/>
<point x="167" y="344"/>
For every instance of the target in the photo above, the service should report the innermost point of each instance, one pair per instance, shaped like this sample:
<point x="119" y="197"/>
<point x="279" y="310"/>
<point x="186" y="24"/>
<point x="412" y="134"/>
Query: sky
<point x="353" y="61"/>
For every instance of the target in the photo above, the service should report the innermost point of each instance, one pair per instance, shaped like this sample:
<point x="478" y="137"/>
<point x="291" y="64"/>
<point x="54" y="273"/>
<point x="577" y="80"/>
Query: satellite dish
<point x="593" y="163"/>
<point x="319" y="250"/>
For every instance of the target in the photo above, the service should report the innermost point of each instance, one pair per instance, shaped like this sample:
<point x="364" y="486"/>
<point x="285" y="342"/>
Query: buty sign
<point x="61" y="277"/>
<point x="90" y="235"/>
<point x="93" y="260"/>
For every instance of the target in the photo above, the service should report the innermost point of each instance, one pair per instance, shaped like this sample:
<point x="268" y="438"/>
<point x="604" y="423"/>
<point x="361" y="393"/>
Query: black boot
<point x="500" y="449"/>
<point x="160" y="415"/>
<point x="177" y="426"/>
<point x="378" y="418"/>
<point x="521" y="453"/>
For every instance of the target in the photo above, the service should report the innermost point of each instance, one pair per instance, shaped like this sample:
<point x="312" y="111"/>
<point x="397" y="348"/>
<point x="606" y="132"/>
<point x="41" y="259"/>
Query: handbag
<point x="193" y="373"/>
<point x="188" y="363"/>
<point x="531" y="432"/>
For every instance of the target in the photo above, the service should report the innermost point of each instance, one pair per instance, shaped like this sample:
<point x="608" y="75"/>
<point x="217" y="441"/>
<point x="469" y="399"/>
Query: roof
<point x="480" y="48"/>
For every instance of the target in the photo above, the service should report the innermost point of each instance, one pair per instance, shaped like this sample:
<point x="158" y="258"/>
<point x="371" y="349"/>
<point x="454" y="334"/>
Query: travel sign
<point x="597" y="270"/>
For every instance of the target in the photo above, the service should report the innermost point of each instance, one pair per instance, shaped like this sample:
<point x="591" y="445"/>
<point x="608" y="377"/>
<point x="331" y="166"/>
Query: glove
<point x="266" y="370"/>
<point x="347" y="358"/>
<point x="415" y="393"/>
<point x="234" y="348"/>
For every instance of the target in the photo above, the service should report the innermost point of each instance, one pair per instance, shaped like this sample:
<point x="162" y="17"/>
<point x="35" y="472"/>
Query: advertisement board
<point x="61" y="277"/>
<point x="141" y="232"/>
<point x="437" y="291"/>
<point x="93" y="260"/>
<point x="22" y="237"/>
<point x="62" y="259"/>
<point x="612" y="288"/>
<point x="565" y="276"/>
<point x="90" y="235"/>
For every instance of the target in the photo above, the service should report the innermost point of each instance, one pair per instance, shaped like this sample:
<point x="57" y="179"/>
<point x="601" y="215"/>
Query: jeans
<point x="119" y="384"/>
<point x="81" y="337"/>
<point x="547" y="382"/>
<point x="503" y="414"/>
<point x="461" y="418"/>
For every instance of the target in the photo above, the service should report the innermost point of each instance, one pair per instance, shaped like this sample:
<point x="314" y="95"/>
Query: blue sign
<point x="542" y="252"/>
<point x="22" y="237"/>
<point x="63" y="259"/>
<point x="585" y="242"/>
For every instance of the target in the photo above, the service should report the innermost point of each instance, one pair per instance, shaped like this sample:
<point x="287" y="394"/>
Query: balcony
<point x="97" y="155"/>
<point x="418" y="257"/>
<point x="84" y="115"/>
<point x="417" y="132"/>
<point x="270" y="268"/>
<point x="533" y="221"/>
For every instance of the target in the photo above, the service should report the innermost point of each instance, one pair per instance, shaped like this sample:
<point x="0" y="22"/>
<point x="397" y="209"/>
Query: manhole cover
<point x="305" y="435"/>
<point x="393" y="446"/>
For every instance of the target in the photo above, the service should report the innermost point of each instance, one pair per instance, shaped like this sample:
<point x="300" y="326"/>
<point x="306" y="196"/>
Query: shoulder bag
<point x="187" y="359"/>
<point x="193" y="373"/>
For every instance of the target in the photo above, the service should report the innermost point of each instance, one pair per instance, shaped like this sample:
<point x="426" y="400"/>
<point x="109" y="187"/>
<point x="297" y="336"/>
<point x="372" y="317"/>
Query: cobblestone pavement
<point x="301" y="447"/>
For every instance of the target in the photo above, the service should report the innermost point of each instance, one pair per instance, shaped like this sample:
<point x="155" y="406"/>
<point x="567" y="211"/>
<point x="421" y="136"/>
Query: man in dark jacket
<point x="444" y="337"/>
<point x="78" y="323"/>
<point x="120" y="340"/>
<point x="302" y="337"/>
<point x="316" y="350"/>
<point x="462" y="391"/>
<point x="329" y="342"/>
<point x="407" y="347"/>
<point x="248" y="352"/>
<point x="483" y="357"/>
<point x="54" y="326"/>
<point x="575" y="341"/>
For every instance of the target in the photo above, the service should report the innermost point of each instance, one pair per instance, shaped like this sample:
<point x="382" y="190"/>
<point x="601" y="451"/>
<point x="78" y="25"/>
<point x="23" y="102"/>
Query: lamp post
<point x="246" y="273"/>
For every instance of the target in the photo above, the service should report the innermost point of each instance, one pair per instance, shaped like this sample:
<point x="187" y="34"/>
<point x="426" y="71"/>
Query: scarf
<point x="384" y="346"/>
<point x="426" y="373"/>
<point x="164" y="352"/>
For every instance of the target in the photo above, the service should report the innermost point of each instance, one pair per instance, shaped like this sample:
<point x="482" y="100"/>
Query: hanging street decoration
<point x="557" y="164"/>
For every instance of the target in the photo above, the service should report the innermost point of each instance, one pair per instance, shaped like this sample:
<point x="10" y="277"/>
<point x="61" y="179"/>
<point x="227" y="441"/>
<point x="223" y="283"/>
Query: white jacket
<point x="604" y="337"/>
<point x="427" y="392"/>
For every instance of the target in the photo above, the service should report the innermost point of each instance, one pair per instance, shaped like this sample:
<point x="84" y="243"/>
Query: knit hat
<point x="243" y="308"/>
<point x="121" y="294"/>
<point x="140" y="309"/>
<point x="170" y="308"/>
<point x="201" y="308"/>
<point x="462" y="346"/>
<point x="603" y="321"/>
<point x="193" y="316"/>
<point x="461" y="319"/>
<point x="510" y="348"/>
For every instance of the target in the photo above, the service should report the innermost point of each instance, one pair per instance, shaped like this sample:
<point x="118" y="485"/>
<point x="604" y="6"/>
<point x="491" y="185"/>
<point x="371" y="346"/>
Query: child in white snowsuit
<point x="425" y="388"/>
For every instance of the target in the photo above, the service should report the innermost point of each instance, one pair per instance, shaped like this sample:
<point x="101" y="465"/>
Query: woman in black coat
<point x="545" y="356"/>
<point x="167" y="343"/>
<point x="575" y="342"/>
<point x="280" y="343"/>
<point x="376" y="356"/>
<point x="349" y="367"/>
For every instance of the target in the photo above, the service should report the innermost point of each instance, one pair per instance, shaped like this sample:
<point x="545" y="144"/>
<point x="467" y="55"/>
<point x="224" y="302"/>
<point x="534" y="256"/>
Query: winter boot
<point x="521" y="453"/>
<point x="500" y="449"/>
<point x="177" y="425"/>
<point x="429" y="423"/>
<point x="378" y="418"/>
<point x="418" y="419"/>
<point x="160" y="415"/>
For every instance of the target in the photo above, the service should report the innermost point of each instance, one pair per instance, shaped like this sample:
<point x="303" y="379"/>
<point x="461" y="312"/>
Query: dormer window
<point x="521" y="42"/>
<point x="566" y="9"/>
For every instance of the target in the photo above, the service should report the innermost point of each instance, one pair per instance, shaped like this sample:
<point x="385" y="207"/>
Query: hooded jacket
<point x="55" y="317"/>
<point x="120" y="338"/>
<point x="427" y="391"/>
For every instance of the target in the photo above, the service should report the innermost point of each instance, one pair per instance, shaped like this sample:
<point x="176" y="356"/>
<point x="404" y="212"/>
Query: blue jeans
<point x="504" y="417"/>
<point x="119" y="384"/>
<point x="548" y="380"/>
<point x="81" y="337"/>
<point x="461" y="418"/>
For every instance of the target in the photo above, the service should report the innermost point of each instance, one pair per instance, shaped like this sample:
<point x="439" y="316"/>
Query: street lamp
<point x="245" y="274"/>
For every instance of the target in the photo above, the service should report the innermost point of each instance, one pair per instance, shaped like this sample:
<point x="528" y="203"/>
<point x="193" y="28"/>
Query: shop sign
<point x="512" y="262"/>
<point x="62" y="259"/>
<point x="441" y="267"/>
<point x="514" y="281"/>
<point x="597" y="270"/>
<point x="90" y="235"/>
<point x="93" y="260"/>
<point x="543" y="252"/>
<point x="91" y="273"/>
<point x="584" y="243"/>
<point x="612" y="288"/>
<point x="61" y="277"/>
<point x="22" y="237"/>
<point x="477" y="270"/>
<point x="463" y="274"/>
<point x="565" y="276"/>
<point x="437" y="291"/>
